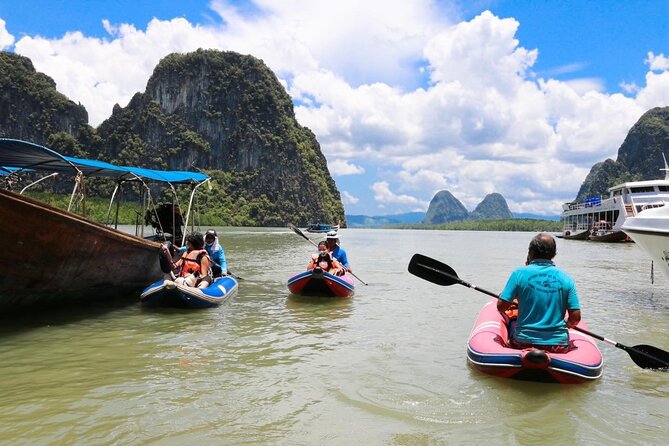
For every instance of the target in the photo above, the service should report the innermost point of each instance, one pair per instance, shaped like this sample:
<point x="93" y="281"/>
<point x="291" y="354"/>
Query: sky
<point x="406" y="97"/>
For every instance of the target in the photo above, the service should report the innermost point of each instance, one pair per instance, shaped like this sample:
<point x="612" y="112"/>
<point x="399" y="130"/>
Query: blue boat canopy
<point x="16" y="155"/>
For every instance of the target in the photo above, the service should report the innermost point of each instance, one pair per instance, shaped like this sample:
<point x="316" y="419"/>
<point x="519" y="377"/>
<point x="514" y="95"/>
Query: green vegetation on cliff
<point x="222" y="112"/>
<point x="227" y="114"/>
<point x="639" y="156"/>
<point x="33" y="110"/>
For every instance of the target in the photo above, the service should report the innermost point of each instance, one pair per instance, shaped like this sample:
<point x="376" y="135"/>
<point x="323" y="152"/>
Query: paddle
<point x="297" y="231"/>
<point x="645" y="356"/>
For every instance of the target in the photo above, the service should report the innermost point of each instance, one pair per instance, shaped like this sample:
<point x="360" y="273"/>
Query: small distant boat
<point x="321" y="227"/>
<point x="166" y="293"/>
<point x="487" y="351"/>
<point x="317" y="282"/>
<point x="650" y="230"/>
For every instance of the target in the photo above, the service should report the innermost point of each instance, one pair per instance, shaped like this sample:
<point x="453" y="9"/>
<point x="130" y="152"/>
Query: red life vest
<point x="191" y="263"/>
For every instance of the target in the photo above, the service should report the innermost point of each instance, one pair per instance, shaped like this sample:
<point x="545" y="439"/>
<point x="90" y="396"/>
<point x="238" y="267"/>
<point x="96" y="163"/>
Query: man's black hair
<point x="543" y="246"/>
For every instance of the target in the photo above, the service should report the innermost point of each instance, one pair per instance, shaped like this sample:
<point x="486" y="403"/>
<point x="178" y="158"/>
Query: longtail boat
<point x="54" y="256"/>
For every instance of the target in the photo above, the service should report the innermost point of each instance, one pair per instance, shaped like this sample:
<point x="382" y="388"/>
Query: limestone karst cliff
<point x="222" y="112"/>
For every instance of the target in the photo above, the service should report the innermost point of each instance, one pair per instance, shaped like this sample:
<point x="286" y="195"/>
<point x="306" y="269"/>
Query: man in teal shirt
<point x="545" y="294"/>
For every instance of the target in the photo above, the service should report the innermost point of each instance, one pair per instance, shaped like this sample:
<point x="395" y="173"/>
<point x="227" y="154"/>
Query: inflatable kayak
<point x="317" y="282"/>
<point x="166" y="293"/>
<point x="487" y="351"/>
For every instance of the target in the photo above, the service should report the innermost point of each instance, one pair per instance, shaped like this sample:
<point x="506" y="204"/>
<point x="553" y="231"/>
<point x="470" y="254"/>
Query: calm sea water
<point x="386" y="367"/>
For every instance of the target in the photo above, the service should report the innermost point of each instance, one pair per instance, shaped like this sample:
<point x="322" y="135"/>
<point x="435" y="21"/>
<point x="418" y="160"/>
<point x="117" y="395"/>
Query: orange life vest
<point x="191" y="263"/>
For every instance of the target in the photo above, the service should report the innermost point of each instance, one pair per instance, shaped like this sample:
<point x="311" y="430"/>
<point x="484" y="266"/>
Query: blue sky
<point x="405" y="97"/>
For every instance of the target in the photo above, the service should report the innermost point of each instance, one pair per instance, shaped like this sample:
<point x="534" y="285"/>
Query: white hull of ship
<point x="650" y="231"/>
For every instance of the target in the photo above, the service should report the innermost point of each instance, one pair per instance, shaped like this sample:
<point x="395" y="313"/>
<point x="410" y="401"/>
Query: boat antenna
<point x="666" y="167"/>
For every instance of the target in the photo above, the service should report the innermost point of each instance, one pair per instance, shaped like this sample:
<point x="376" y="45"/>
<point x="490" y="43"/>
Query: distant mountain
<point x="445" y="208"/>
<point x="493" y="207"/>
<point x="413" y="218"/>
<point x="364" y="221"/>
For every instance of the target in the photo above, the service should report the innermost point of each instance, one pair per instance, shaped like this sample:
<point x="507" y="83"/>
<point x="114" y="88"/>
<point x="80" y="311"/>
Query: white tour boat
<point x="602" y="219"/>
<point x="650" y="230"/>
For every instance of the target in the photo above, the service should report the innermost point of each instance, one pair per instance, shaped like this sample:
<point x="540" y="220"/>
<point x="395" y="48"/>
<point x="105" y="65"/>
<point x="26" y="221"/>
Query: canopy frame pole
<point x="190" y="204"/>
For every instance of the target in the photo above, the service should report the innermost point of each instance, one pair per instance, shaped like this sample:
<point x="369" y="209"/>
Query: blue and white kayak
<point x="166" y="293"/>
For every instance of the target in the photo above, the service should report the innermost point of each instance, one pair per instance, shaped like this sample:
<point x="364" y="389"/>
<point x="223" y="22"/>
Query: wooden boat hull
<point x="318" y="283"/>
<point x="165" y="293"/>
<point x="52" y="256"/>
<point x="487" y="351"/>
<point x="576" y="235"/>
<point x="609" y="237"/>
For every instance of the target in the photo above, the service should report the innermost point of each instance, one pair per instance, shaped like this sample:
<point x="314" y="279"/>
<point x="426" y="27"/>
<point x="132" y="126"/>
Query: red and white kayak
<point x="487" y="351"/>
<point x="316" y="282"/>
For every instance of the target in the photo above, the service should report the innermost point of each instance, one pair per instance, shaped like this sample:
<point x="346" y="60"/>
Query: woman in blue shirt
<point x="219" y="266"/>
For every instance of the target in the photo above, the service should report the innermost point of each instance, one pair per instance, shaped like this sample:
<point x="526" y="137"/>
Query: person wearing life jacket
<point x="322" y="247"/>
<point x="328" y="264"/>
<point x="194" y="266"/>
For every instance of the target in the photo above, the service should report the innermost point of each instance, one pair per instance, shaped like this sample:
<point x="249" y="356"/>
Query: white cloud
<point x="339" y="167"/>
<point x="485" y="122"/>
<point x="657" y="63"/>
<point x="629" y="88"/>
<point x="347" y="198"/>
<point x="6" y="39"/>
<point x="383" y="195"/>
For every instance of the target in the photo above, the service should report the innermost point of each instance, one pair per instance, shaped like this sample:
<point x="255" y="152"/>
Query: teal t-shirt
<point x="544" y="294"/>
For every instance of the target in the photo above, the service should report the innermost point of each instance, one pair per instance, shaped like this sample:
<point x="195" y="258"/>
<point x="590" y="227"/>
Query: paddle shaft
<point x="297" y="231"/>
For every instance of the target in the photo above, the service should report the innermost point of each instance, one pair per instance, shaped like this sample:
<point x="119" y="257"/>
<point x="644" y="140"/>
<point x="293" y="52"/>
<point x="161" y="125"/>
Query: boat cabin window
<point x="638" y="190"/>
<point x="663" y="188"/>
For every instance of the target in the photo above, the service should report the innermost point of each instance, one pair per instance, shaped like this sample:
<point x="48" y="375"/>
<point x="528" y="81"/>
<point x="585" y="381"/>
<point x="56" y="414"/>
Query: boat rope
<point x="652" y="273"/>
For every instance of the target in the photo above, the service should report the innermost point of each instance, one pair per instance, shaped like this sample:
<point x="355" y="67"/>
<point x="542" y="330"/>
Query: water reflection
<point x="315" y="308"/>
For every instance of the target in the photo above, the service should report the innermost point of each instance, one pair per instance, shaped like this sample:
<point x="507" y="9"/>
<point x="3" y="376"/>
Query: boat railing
<point x="589" y="203"/>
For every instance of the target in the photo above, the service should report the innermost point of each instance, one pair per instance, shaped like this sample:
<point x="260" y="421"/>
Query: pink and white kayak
<point x="487" y="351"/>
<point x="317" y="282"/>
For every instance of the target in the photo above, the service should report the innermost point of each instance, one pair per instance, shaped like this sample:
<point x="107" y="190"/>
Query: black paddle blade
<point x="649" y="357"/>
<point x="433" y="270"/>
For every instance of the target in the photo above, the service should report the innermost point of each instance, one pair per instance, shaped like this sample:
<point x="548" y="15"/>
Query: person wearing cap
<point x="219" y="266"/>
<point x="337" y="251"/>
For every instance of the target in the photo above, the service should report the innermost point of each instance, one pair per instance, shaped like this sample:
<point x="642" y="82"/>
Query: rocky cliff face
<point x="639" y="156"/>
<point x="218" y="111"/>
<point x="32" y="109"/>
<point x="227" y="112"/>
